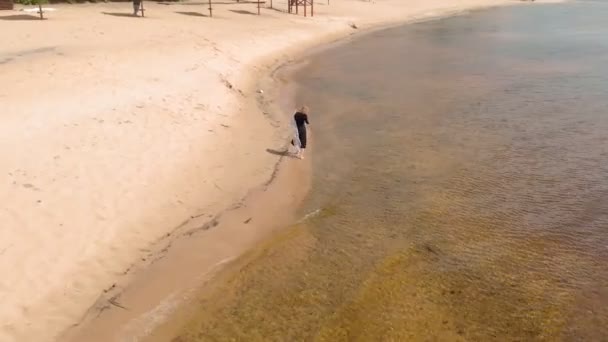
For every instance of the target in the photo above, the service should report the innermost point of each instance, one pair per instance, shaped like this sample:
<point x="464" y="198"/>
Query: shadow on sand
<point x="117" y="14"/>
<point x="193" y="14"/>
<point x="20" y="17"/>
<point x="243" y="12"/>
<point x="283" y="153"/>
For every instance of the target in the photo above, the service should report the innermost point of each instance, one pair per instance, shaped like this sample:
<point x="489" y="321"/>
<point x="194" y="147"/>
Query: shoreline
<point x="245" y="83"/>
<point x="161" y="322"/>
<point x="152" y="307"/>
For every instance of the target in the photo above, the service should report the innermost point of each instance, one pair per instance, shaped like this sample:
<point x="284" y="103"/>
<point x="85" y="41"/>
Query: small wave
<point x="310" y="215"/>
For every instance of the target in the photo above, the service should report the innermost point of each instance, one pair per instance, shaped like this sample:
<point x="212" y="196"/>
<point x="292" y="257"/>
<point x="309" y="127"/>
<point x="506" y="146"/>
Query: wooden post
<point x="258" y="7"/>
<point x="270" y="3"/>
<point x="40" y="11"/>
<point x="305" y="3"/>
<point x="312" y="8"/>
<point x="141" y="8"/>
<point x="210" y="10"/>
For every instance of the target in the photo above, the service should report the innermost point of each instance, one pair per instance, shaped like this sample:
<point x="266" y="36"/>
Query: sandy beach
<point x="124" y="139"/>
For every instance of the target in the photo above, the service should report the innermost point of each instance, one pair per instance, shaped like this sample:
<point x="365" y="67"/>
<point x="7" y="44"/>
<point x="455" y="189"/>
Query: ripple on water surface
<point x="461" y="176"/>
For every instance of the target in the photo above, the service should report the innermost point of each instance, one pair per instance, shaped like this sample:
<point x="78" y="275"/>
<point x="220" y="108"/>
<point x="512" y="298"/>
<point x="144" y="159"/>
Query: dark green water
<point x="461" y="173"/>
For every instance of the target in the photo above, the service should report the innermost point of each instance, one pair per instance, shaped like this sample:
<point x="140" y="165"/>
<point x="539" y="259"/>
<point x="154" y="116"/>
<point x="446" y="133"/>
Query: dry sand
<point x="116" y="131"/>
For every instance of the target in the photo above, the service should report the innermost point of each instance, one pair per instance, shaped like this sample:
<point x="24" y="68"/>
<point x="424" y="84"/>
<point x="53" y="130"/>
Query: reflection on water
<point x="461" y="169"/>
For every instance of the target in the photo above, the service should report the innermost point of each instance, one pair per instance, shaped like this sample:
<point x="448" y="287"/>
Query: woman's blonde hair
<point x="304" y="110"/>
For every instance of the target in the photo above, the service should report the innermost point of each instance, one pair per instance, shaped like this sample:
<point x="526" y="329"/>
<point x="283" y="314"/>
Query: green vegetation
<point x="31" y="2"/>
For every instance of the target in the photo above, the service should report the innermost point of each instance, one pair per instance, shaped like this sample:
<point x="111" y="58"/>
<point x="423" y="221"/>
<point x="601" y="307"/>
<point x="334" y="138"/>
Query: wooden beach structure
<point x="258" y="4"/>
<point x="293" y="6"/>
<point x="296" y="4"/>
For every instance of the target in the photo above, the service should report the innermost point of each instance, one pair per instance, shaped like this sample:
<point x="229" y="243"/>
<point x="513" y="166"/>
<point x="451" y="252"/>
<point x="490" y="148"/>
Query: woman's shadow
<point x="284" y="153"/>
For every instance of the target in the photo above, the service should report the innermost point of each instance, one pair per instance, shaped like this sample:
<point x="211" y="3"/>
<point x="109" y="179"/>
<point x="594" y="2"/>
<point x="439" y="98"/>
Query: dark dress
<point x="301" y="122"/>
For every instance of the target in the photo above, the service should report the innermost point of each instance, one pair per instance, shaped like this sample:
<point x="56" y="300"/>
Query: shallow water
<point x="461" y="173"/>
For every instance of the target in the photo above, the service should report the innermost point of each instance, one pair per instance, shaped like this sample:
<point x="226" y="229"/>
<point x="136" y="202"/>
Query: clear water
<point x="461" y="172"/>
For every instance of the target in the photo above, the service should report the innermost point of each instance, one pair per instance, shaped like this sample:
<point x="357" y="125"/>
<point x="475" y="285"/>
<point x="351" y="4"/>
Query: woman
<point x="137" y="7"/>
<point x="301" y="119"/>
